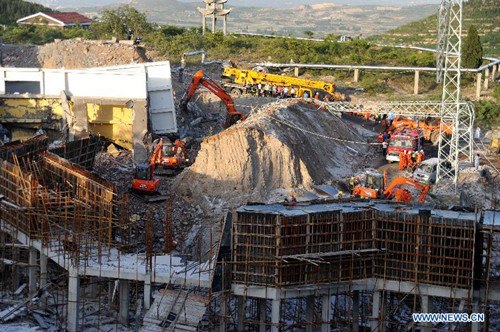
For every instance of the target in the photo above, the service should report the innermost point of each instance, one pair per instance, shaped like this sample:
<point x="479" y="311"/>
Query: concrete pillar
<point x="43" y="269"/>
<point x="241" y="313"/>
<point x="139" y="130"/>
<point x="111" y="292"/>
<point x="424" y="300"/>
<point x="15" y="268"/>
<point x="32" y="270"/>
<point x="275" y="315"/>
<point x="214" y="20"/>
<point x="203" y="23"/>
<point x="78" y="124"/>
<point x="224" y="29"/>
<point x="262" y="309"/>
<point x="325" y="313"/>
<point x="124" y="288"/>
<point x="296" y="72"/>
<point x="223" y="313"/>
<point x="147" y="292"/>
<point x="475" y="327"/>
<point x="416" y="82"/>
<point x="355" y="311"/>
<point x="494" y="73"/>
<point x="478" y="85"/>
<point x="73" y="300"/>
<point x="374" y="323"/>
<point x="310" y="313"/>
<point x="356" y="75"/>
<point x="486" y="78"/>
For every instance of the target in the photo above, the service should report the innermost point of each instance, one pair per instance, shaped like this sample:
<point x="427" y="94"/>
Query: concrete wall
<point x="121" y="103"/>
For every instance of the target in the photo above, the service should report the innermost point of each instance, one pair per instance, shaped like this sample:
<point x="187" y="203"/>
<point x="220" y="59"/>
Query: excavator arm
<point x="199" y="78"/>
<point x="156" y="156"/>
<point x="400" y="181"/>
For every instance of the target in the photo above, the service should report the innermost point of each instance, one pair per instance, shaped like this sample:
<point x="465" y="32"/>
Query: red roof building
<point x="61" y="20"/>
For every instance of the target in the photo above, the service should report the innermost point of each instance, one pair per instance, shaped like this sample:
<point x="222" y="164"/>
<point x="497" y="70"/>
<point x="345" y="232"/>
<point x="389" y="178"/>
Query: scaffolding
<point x="354" y="264"/>
<point x="104" y="264"/>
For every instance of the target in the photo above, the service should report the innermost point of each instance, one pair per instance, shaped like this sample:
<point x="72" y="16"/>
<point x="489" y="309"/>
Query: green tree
<point x="116" y="22"/>
<point x="309" y="33"/>
<point x="472" y="52"/>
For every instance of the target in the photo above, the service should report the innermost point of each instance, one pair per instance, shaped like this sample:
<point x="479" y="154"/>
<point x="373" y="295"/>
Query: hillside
<point x="484" y="14"/>
<point x="321" y="19"/>
<point x="12" y="10"/>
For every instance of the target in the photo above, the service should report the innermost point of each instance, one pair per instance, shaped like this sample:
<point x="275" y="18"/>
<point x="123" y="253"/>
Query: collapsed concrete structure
<point x="121" y="103"/>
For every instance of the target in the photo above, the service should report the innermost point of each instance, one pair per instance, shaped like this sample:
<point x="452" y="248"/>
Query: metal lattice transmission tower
<point x="454" y="113"/>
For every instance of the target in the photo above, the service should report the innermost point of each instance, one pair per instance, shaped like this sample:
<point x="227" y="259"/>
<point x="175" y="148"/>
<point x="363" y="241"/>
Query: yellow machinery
<point x="239" y="81"/>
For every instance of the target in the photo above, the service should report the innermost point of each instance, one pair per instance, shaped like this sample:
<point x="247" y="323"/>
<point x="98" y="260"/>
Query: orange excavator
<point x="173" y="157"/>
<point x="199" y="78"/>
<point x="144" y="182"/>
<point x="374" y="188"/>
<point x="402" y="194"/>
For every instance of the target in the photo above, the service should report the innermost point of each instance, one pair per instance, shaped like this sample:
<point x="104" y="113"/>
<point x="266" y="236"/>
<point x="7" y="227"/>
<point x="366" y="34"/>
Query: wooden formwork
<point x="81" y="152"/>
<point x="320" y="247"/>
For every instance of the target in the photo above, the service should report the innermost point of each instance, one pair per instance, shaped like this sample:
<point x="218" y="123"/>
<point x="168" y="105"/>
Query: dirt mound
<point x="75" y="53"/>
<point x="288" y="145"/>
<point x="72" y="54"/>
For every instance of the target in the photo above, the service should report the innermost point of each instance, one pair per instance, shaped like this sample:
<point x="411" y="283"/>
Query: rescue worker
<point x="476" y="161"/>
<point x="292" y="92"/>
<point x="402" y="160"/>
<point x="316" y="96"/>
<point x="420" y="157"/>
<point x="340" y="194"/>
<point x="352" y="183"/>
<point x="409" y="160"/>
<point x="384" y="148"/>
<point x="285" y="92"/>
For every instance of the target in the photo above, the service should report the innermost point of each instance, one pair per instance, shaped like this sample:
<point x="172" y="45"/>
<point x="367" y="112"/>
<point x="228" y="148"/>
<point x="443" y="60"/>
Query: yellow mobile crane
<point x="238" y="81"/>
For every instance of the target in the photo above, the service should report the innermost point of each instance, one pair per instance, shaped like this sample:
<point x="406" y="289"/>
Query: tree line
<point x="12" y="10"/>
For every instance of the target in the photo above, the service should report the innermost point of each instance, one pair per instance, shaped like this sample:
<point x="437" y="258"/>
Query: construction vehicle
<point x="374" y="188"/>
<point x="199" y="78"/>
<point x="174" y="157"/>
<point x="238" y="81"/>
<point x="144" y="181"/>
<point x="402" y="194"/>
<point x="429" y="127"/>
<point x="404" y="139"/>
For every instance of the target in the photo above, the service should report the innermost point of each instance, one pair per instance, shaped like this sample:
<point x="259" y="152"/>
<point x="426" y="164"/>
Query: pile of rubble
<point x="287" y="146"/>
<point x="72" y="54"/>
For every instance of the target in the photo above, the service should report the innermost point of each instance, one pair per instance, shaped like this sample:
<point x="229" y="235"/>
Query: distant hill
<point x="12" y="10"/>
<point x="321" y="19"/>
<point x="484" y="14"/>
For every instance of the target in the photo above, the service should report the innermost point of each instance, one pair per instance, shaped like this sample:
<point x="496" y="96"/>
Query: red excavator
<point x="374" y="188"/>
<point x="199" y="78"/>
<point x="174" y="157"/>
<point x="144" y="181"/>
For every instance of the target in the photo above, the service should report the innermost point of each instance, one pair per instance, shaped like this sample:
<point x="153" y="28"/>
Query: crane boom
<point x="199" y="78"/>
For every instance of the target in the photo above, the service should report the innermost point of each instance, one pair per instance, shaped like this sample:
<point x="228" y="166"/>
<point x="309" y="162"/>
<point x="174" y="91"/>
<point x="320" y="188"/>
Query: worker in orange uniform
<point x="402" y="160"/>
<point x="409" y="159"/>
